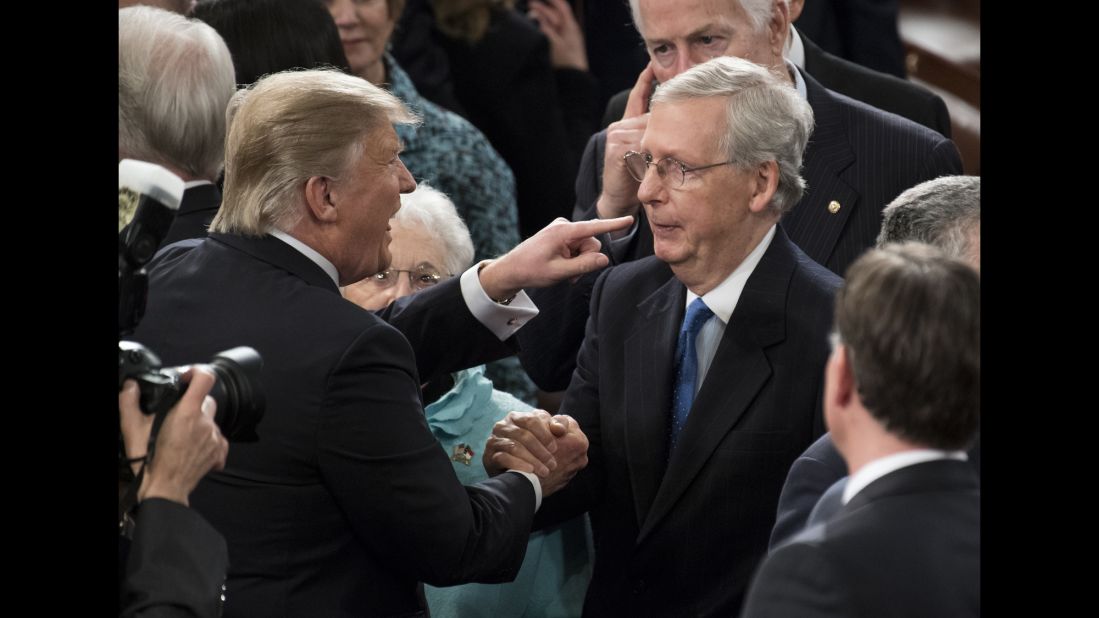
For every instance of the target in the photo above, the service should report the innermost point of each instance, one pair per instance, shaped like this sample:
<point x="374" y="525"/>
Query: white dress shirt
<point x="722" y="301"/>
<point x="891" y="463"/>
<point x="795" y="49"/>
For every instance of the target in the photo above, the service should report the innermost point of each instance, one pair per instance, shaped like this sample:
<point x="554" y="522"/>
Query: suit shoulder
<point x="863" y="79"/>
<point x="813" y="279"/>
<point x="172" y="252"/>
<point x="367" y="340"/>
<point x="873" y="118"/>
<point x="824" y="450"/>
<point x="637" y="277"/>
<point x="799" y="579"/>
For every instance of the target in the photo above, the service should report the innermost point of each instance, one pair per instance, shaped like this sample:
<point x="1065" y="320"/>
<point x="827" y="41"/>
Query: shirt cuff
<point x="503" y="320"/>
<point x="533" y="478"/>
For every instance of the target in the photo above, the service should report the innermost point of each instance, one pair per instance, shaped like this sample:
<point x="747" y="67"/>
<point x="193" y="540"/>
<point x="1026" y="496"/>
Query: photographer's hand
<point x="189" y="443"/>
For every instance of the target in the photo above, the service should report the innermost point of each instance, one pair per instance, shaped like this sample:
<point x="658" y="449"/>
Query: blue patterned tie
<point x="686" y="363"/>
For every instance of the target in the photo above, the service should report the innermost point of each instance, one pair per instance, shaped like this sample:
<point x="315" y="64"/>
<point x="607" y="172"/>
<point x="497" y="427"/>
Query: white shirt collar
<point x="799" y="81"/>
<point x="723" y="299"/>
<point x="190" y="184"/>
<point x="310" y="253"/>
<point x="891" y="463"/>
<point x="795" y="49"/>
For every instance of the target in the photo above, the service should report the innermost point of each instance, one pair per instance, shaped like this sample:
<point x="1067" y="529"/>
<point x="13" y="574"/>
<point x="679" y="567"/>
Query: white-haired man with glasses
<point x="700" y="375"/>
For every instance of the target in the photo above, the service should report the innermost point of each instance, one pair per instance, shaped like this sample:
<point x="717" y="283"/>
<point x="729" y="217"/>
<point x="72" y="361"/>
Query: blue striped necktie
<point x="686" y="364"/>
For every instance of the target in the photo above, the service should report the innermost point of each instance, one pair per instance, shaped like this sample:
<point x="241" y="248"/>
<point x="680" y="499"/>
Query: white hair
<point x="175" y="77"/>
<point x="433" y="211"/>
<point x="940" y="212"/>
<point x="765" y="119"/>
<point x="759" y="12"/>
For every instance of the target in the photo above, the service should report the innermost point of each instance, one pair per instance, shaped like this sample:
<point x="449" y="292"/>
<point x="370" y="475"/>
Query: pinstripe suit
<point x="681" y="536"/>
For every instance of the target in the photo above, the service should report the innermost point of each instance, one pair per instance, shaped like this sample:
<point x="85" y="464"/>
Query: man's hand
<point x="572" y="456"/>
<point x="556" y="21"/>
<point x="619" y="195"/>
<point x="188" y="445"/>
<point x="637" y="104"/>
<point x="561" y="250"/>
<point x="552" y="447"/>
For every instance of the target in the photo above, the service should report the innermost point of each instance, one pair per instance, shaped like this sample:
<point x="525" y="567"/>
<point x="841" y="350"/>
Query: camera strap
<point x="129" y="500"/>
<point x="126" y="506"/>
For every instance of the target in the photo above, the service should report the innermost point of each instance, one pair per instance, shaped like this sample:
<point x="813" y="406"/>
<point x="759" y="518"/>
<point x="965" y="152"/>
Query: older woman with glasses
<point x="429" y="243"/>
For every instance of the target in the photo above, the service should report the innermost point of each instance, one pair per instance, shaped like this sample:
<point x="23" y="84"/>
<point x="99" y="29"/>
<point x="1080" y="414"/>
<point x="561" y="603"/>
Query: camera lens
<point x="240" y="399"/>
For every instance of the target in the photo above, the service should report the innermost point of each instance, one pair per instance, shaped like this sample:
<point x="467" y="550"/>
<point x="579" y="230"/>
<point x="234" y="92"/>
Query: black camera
<point x="240" y="399"/>
<point x="148" y="196"/>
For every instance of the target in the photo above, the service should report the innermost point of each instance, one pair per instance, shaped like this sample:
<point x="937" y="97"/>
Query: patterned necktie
<point x="686" y="364"/>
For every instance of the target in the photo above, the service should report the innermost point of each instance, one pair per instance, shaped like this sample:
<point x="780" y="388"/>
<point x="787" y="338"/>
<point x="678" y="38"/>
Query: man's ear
<point x="318" y="197"/>
<point x="839" y="386"/>
<point x="765" y="184"/>
<point x="778" y="28"/>
<point x="846" y="390"/>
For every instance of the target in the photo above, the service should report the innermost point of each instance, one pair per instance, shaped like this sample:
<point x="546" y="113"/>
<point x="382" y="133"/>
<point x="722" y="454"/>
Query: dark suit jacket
<point x="196" y="211"/>
<point x="880" y="90"/>
<point x="346" y="500"/>
<point x="417" y="51"/>
<point x="862" y="31"/>
<point x="176" y="564"/>
<point x="812" y="474"/>
<point x="908" y="544"/>
<point x="682" y="537"/>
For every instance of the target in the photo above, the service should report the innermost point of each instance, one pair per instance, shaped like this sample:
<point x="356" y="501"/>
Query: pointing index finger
<point x="582" y="229"/>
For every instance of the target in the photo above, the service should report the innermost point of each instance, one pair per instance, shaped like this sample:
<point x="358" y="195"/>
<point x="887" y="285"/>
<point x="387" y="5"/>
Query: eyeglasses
<point x="421" y="277"/>
<point x="671" y="172"/>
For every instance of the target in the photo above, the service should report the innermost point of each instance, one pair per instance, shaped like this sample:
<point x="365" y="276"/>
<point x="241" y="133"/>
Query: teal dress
<point x="557" y="567"/>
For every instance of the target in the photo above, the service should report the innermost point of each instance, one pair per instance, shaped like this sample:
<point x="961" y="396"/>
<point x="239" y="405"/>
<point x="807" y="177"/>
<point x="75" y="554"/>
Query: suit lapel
<point x="649" y="369"/>
<point x="812" y="223"/>
<point x="739" y="370"/>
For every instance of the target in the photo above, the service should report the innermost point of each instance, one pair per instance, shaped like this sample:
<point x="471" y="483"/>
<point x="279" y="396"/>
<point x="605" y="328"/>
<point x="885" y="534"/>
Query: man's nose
<point x="651" y="186"/>
<point x="408" y="183"/>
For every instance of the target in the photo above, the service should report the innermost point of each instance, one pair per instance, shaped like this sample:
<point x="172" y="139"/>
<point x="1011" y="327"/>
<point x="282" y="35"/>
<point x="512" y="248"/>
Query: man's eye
<point x="382" y="276"/>
<point x="661" y="50"/>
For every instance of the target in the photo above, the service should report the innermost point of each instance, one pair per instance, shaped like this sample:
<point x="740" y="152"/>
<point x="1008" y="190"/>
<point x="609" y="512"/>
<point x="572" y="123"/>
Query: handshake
<point x="552" y="447"/>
